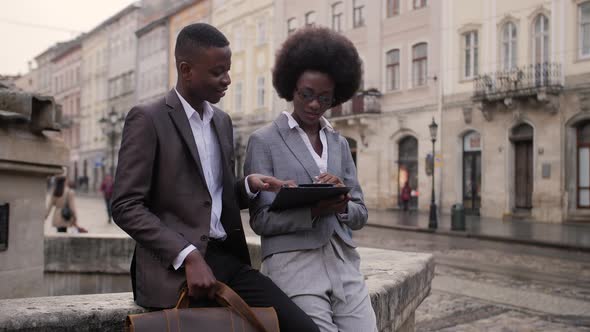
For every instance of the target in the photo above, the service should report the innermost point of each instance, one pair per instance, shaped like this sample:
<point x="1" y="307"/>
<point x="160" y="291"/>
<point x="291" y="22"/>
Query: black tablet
<point x="305" y="195"/>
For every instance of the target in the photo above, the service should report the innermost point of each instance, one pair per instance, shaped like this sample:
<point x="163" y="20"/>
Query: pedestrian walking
<point x="106" y="187"/>
<point x="406" y="195"/>
<point x="63" y="204"/>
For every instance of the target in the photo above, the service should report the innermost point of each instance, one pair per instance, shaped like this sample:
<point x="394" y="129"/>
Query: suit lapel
<point x="222" y="131"/>
<point x="295" y="143"/>
<point x="180" y="120"/>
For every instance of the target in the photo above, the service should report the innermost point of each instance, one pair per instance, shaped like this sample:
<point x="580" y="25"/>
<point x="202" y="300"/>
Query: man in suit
<point x="175" y="191"/>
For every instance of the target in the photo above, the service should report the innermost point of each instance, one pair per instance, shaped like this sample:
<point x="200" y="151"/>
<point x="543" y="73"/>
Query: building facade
<point x="66" y="78"/>
<point x="250" y="99"/>
<point x="122" y="58"/>
<point x="93" y="147"/>
<point x="515" y="122"/>
<point x="386" y="123"/>
<point x="152" y="60"/>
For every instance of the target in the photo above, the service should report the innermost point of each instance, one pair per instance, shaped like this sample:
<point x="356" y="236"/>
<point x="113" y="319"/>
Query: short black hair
<point x="198" y="35"/>
<point x="319" y="49"/>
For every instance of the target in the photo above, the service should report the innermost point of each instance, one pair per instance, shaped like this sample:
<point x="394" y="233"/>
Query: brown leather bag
<point x="235" y="315"/>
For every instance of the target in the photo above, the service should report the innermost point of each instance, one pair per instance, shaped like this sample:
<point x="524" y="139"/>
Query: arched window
<point x="540" y="39"/>
<point x="419" y="64"/>
<point x="291" y="25"/>
<point x="310" y="18"/>
<point x="392" y="70"/>
<point x="583" y="182"/>
<point x="509" y="46"/>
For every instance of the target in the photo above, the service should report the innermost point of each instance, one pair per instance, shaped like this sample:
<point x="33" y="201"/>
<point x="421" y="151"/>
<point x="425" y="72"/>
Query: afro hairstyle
<point x="319" y="49"/>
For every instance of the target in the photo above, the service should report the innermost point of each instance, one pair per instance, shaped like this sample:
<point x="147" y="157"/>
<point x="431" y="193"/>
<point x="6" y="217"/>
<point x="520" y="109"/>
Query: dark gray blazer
<point x="161" y="199"/>
<point x="279" y="151"/>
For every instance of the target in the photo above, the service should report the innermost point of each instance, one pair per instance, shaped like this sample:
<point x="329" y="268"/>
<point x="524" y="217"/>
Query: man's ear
<point x="185" y="70"/>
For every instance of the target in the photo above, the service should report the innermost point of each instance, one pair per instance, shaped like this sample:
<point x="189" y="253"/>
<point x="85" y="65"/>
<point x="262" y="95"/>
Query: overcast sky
<point x="28" y="27"/>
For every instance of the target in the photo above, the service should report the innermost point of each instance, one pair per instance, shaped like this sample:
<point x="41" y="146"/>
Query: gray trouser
<point x="327" y="284"/>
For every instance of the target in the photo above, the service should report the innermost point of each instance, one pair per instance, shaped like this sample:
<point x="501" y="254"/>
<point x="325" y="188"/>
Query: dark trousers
<point x="107" y="201"/>
<point x="256" y="290"/>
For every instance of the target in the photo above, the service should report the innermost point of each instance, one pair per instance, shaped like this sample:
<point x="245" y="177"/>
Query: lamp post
<point x="432" y="221"/>
<point x="110" y="125"/>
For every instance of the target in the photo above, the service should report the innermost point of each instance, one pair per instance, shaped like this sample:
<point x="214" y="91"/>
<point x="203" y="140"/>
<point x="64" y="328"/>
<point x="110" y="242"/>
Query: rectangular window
<point x="310" y="18"/>
<point x="358" y="18"/>
<point x="261" y="32"/>
<point x="392" y="8"/>
<point x="337" y="16"/>
<point x="291" y="25"/>
<point x="419" y="64"/>
<point x="393" y="70"/>
<point x="470" y="54"/>
<point x="238" y="39"/>
<point x="260" y="92"/>
<point x="420" y="4"/>
<point x="584" y="29"/>
<point x="238" y="97"/>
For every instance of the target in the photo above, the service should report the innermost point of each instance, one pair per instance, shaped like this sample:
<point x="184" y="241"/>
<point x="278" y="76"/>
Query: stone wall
<point x="398" y="282"/>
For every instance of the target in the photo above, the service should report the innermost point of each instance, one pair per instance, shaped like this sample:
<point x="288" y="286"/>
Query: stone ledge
<point x="398" y="282"/>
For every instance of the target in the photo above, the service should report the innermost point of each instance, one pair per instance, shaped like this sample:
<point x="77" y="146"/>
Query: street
<point x="479" y="285"/>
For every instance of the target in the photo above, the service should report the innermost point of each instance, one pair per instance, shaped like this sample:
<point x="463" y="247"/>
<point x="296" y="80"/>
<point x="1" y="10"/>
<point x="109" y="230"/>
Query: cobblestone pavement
<point x="478" y="286"/>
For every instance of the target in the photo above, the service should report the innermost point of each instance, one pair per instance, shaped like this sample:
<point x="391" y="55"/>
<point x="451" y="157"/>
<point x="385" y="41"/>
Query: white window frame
<point x="260" y="91"/>
<point x="291" y="25"/>
<point x="261" y="32"/>
<point x="390" y="71"/>
<point x="358" y="18"/>
<point x="337" y="16"/>
<point x="510" y="44"/>
<point x="310" y="18"/>
<point x="470" y="54"/>
<point x="392" y="8"/>
<point x="420" y="64"/>
<point x="419" y="4"/>
<point x="543" y="37"/>
<point x="581" y="23"/>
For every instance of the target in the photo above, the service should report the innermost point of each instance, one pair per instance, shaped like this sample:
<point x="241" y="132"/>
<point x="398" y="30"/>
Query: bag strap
<point x="228" y="298"/>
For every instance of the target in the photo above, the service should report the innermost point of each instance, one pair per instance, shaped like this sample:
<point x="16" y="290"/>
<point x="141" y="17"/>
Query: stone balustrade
<point x="398" y="282"/>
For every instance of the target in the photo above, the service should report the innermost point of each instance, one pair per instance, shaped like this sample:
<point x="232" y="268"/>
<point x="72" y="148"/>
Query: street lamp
<point x="110" y="127"/>
<point x="432" y="221"/>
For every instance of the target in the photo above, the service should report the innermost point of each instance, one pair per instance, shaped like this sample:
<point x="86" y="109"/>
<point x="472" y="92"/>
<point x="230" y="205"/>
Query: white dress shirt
<point x="321" y="161"/>
<point x="210" y="157"/>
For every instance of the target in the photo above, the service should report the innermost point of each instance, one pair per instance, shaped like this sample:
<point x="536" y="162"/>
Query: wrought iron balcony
<point x="364" y="102"/>
<point x="522" y="82"/>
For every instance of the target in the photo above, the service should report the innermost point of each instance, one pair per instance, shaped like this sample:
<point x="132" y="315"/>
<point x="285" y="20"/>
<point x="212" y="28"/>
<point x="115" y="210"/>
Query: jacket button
<point x="207" y="203"/>
<point x="204" y="238"/>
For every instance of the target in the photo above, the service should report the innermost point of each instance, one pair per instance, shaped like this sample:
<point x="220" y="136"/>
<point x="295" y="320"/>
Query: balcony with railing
<point x="364" y="102"/>
<point x="521" y="82"/>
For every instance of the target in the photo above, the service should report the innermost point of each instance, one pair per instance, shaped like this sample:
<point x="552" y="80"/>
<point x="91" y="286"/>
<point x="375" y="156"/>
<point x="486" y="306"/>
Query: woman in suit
<point x="308" y="251"/>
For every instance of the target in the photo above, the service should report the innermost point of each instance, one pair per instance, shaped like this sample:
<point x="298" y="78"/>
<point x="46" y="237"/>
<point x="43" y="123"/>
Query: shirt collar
<point x="324" y="123"/>
<point x="190" y="111"/>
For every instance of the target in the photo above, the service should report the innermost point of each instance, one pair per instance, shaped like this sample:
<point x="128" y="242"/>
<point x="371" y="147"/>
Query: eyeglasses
<point x="308" y="96"/>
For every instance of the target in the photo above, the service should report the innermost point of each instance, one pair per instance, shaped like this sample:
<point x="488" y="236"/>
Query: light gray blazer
<point x="279" y="151"/>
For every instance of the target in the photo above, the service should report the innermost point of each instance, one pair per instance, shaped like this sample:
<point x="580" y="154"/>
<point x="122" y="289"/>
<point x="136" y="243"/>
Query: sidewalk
<point x="566" y="236"/>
